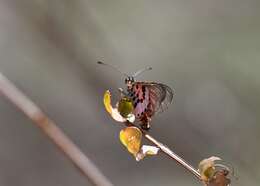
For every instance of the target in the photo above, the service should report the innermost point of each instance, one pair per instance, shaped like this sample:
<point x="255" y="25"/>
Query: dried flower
<point x="213" y="174"/>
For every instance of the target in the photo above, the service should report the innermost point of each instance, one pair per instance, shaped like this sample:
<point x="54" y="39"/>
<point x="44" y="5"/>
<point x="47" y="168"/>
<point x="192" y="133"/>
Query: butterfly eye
<point x="125" y="80"/>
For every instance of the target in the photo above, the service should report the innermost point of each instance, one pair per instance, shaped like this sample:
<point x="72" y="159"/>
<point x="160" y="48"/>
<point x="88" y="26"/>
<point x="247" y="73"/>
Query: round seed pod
<point x="125" y="107"/>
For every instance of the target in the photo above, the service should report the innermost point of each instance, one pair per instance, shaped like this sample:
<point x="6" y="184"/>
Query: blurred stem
<point x="55" y="134"/>
<point x="174" y="156"/>
<point x="169" y="153"/>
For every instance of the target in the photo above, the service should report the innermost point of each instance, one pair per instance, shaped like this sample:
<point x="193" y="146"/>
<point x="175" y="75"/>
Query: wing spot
<point x="143" y="88"/>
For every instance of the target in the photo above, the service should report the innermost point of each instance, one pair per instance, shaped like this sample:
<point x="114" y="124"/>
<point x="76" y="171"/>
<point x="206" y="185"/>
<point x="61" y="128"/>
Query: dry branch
<point x="55" y="134"/>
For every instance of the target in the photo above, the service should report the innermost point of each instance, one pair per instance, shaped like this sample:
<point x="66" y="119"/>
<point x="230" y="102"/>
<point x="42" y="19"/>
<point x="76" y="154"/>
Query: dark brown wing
<point x="161" y="96"/>
<point x="150" y="98"/>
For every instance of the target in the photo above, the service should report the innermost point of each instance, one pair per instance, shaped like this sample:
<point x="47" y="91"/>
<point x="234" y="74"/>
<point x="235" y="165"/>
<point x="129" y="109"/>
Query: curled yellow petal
<point x="131" y="138"/>
<point x="112" y="111"/>
<point x="107" y="101"/>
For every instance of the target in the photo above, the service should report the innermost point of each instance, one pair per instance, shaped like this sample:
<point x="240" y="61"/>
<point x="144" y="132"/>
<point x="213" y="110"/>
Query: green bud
<point x="125" y="107"/>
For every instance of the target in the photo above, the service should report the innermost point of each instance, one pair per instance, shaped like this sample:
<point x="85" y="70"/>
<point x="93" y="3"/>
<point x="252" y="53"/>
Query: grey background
<point x="207" y="51"/>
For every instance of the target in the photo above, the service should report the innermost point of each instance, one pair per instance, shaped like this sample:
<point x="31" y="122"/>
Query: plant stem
<point x="172" y="155"/>
<point x="168" y="152"/>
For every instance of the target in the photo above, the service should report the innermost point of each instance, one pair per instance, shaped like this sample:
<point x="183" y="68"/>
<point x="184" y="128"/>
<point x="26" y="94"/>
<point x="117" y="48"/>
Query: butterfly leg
<point x="145" y="122"/>
<point x="145" y="126"/>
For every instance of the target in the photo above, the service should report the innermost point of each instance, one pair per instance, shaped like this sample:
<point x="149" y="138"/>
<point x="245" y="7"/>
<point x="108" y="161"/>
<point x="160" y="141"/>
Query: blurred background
<point x="207" y="51"/>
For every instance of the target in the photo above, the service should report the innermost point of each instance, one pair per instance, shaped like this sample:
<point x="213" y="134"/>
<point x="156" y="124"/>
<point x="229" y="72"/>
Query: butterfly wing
<point x="161" y="96"/>
<point x="150" y="98"/>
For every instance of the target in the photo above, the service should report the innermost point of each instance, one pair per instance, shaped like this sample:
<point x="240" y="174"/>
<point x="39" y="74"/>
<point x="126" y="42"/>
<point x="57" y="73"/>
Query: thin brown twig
<point x="55" y="134"/>
<point x="169" y="152"/>
<point x="174" y="156"/>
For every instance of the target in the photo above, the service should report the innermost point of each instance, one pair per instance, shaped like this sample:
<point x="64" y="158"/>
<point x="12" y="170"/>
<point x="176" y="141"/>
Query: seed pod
<point x="125" y="107"/>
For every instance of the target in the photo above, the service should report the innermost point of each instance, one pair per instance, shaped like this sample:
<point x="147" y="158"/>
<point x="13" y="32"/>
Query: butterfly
<point x="148" y="98"/>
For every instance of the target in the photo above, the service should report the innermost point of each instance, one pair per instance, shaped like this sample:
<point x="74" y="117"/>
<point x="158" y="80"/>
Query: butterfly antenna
<point x="141" y="71"/>
<point x="113" y="67"/>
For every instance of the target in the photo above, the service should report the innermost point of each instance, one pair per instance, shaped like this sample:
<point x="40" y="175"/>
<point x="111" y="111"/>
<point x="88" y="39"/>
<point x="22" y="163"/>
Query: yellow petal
<point x="131" y="138"/>
<point x="107" y="101"/>
<point x="112" y="111"/>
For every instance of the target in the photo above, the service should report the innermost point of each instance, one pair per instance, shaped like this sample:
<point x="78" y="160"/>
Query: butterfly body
<point x="148" y="98"/>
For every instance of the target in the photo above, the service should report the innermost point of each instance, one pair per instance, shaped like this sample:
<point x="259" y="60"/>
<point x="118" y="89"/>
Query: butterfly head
<point x="129" y="80"/>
